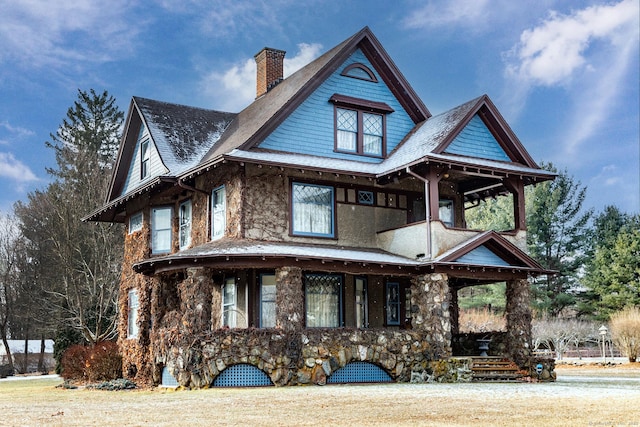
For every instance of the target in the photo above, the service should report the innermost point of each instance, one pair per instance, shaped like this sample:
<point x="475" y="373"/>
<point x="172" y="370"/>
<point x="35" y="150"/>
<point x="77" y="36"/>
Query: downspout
<point x="427" y="202"/>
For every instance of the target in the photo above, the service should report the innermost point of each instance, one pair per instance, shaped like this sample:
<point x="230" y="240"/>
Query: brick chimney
<point x="270" y="72"/>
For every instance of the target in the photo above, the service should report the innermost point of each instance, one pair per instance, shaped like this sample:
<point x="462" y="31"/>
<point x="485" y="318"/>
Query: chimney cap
<point x="270" y="49"/>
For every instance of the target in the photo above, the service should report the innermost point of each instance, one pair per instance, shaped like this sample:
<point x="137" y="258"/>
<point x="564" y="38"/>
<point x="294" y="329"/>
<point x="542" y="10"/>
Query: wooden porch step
<point x="494" y="369"/>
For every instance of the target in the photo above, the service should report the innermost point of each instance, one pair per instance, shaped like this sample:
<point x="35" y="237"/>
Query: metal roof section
<point x="224" y="249"/>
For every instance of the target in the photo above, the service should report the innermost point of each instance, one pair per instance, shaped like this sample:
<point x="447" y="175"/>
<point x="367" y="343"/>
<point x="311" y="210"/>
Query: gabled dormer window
<point x="144" y="159"/>
<point x="360" y="126"/>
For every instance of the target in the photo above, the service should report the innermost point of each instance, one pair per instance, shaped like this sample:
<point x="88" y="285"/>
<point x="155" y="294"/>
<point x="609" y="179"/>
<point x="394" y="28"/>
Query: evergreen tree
<point x="78" y="263"/>
<point x="613" y="273"/>
<point x="558" y="238"/>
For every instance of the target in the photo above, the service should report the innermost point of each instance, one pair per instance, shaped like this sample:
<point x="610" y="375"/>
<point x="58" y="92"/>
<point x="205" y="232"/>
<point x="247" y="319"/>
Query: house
<point x="319" y="235"/>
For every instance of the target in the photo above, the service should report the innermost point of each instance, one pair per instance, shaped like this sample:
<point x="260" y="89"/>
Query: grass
<point x="39" y="402"/>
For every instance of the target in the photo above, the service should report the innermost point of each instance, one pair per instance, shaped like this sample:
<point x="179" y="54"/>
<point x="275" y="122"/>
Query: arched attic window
<point x="359" y="71"/>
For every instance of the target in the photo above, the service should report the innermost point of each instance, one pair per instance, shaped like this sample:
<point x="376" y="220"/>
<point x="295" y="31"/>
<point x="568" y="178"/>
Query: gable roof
<point x="490" y="249"/>
<point x="181" y="135"/>
<point x="260" y="118"/>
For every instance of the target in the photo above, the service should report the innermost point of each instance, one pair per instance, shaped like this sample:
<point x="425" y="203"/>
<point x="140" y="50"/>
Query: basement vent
<point x="359" y="372"/>
<point x="242" y="375"/>
<point x="168" y="380"/>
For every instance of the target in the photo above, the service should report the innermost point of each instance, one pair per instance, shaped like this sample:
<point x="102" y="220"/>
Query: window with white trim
<point x="218" y="212"/>
<point x="267" y="300"/>
<point x="185" y="224"/>
<point x="135" y="222"/>
<point x="161" y="229"/>
<point x="323" y="300"/>
<point x="230" y="303"/>
<point x="312" y="210"/>
<point x="132" y="315"/>
<point x="145" y="156"/>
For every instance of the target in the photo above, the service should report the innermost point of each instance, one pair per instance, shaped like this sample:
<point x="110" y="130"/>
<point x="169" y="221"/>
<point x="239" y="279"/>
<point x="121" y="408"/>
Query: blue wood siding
<point x="482" y="256"/>
<point x="310" y="128"/>
<point x="156" y="168"/>
<point x="475" y="140"/>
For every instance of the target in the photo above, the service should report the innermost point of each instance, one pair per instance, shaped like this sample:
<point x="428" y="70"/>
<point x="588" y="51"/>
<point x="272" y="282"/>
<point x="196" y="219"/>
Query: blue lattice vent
<point x="242" y="375"/>
<point x="168" y="380"/>
<point x="359" y="372"/>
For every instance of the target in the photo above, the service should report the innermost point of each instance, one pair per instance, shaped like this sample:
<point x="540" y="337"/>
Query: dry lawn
<point x="581" y="397"/>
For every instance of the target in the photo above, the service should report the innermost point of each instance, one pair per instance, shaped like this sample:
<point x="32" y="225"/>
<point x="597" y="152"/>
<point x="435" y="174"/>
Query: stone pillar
<point x="454" y="312"/>
<point x="195" y="300"/>
<point x="518" y="316"/>
<point x="430" y="294"/>
<point x="289" y="299"/>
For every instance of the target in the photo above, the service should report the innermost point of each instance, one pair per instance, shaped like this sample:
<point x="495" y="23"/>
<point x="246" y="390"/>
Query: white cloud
<point x="14" y="169"/>
<point x="56" y="34"/>
<point x="588" y="54"/>
<point x="553" y="52"/>
<point x="436" y="14"/>
<point x="235" y="88"/>
<point x="19" y="131"/>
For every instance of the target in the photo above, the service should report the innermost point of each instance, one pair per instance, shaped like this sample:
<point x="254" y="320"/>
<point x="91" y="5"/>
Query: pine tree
<point x="558" y="238"/>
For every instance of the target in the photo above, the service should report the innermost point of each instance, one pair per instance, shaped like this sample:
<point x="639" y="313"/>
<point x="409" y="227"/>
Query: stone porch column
<point x="431" y="295"/>
<point x="195" y="300"/>
<point x="518" y="316"/>
<point x="289" y="299"/>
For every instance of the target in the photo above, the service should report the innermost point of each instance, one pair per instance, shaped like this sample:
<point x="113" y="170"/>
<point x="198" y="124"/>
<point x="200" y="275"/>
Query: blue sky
<point x="565" y="74"/>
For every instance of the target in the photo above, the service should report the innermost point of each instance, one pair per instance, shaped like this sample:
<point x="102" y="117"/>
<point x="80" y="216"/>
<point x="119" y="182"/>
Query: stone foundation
<point x="308" y="357"/>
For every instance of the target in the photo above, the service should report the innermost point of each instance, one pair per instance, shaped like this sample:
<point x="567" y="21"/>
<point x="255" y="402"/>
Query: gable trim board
<point x="501" y="131"/>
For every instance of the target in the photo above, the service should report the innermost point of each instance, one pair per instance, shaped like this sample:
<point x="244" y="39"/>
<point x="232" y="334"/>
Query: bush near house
<point x="99" y="362"/>
<point x="625" y="331"/>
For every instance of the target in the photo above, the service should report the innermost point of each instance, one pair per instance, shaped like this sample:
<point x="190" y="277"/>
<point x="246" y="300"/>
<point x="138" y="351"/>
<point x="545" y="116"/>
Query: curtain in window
<point x="347" y="128"/>
<point x="323" y="301"/>
<point x="218" y="213"/>
<point x="229" y="306"/>
<point x="372" y="134"/>
<point x="132" y="318"/>
<point x="185" y="224"/>
<point x="268" y="301"/>
<point x="312" y="209"/>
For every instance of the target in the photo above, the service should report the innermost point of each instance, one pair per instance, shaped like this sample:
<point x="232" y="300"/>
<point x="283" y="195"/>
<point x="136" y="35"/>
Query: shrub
<point x="73" y="362"/>
<point x="104" y="362"/>
<point x="625" y="331"/>
<point x="100" y="362"/>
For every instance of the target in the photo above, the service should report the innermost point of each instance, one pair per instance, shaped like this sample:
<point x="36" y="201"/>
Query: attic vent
<point x="269" y="69"/>
<point x="359" y="71"/>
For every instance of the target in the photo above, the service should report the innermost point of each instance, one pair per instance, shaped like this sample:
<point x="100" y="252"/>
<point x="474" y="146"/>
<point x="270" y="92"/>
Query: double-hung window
<point x="185" y="224"/>
<point x="323" y="300"/>
<point x="312" y="210"/>
<point x="218" y="212"/>
<point x="161" y="229"/>
<point x="135" y="222"/>
<point x="230" y="303"/>
<point x="360" y="126"/>
<point x="132" y="315"/>
<point x="392" y="303"/>
<point x="145" y="156"/>
<point x="267" y="300"/>
<point x="445" y="212"/>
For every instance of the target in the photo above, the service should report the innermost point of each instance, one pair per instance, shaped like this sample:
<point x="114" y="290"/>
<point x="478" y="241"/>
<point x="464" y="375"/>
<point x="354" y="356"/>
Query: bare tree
<point x="10" y="247"/>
